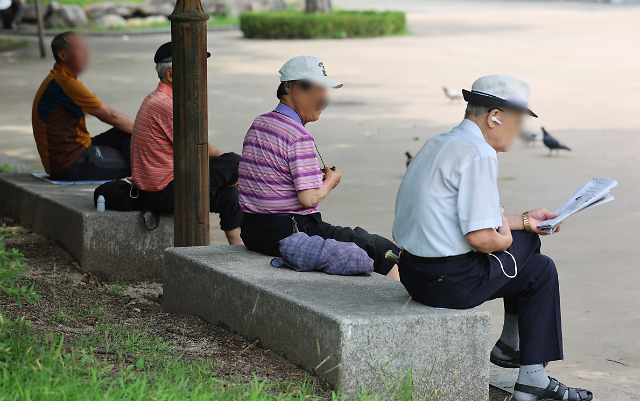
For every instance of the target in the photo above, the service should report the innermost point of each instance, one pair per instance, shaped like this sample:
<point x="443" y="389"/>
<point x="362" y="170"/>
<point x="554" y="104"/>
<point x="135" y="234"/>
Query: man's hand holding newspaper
<point x="539" y="215"/>
<point x="593" y="194"/>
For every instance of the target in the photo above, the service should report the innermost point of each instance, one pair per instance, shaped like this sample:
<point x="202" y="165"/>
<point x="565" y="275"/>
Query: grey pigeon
<point x="552" y="143"/>
<point x="529" y="137"/>
<point x="409" y="158"/>
<point x="452" y="94"/>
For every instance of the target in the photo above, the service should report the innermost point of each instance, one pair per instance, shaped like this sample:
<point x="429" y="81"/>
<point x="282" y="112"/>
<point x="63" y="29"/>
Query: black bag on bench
<point x="122" y="195"/>
<point x="119" y="195"/>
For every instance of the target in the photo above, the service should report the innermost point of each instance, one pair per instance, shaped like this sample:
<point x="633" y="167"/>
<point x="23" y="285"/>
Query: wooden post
<point x="318" y="6"/>
<point x="190" y="128"/>
<point x="40" y="19"/>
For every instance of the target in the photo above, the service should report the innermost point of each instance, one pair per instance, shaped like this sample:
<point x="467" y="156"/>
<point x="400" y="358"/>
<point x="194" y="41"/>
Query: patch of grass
<point x="12" y="44"/>
<point x="5" y="168"/>
<point x="136" y="369"/>
<point x="115" y="289"/>
<point x="338" y="24"/>
<point x="117" y="361"/>
<point x="52" y="370"/>
<point x="61" y="316"/>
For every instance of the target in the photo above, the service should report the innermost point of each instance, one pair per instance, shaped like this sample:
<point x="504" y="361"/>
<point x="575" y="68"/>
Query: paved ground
<point x="582" y="61"/>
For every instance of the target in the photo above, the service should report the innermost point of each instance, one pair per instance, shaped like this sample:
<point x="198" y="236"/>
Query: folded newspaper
<point x="593" y="194"/>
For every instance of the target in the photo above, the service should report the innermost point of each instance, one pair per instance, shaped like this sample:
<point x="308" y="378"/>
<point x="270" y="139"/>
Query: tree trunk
<point x="39" y="18"/>
<point x="190" y="124"/>
<point x="318" y="6"/>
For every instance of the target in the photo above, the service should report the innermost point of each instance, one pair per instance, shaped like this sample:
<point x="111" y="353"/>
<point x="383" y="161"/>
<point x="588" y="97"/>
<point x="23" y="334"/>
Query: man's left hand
<point x="538" y="215"/>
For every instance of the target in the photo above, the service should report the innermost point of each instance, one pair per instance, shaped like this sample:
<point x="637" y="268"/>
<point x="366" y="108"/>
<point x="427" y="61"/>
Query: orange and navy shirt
<point x="152" y="141"/>
<point x="58" y="119"/>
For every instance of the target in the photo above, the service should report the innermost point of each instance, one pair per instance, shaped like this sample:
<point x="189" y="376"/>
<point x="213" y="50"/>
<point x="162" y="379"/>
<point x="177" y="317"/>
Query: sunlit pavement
<point x="582" y="62"/>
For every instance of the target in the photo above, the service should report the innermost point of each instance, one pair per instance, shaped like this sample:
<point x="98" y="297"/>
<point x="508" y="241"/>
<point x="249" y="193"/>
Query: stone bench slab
<point x="353" y="332"/>
<point x="108" y="244"/>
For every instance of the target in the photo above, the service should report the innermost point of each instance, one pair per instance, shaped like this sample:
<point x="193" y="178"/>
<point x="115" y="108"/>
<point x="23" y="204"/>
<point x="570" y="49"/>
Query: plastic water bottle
<point x="101" y="203"/>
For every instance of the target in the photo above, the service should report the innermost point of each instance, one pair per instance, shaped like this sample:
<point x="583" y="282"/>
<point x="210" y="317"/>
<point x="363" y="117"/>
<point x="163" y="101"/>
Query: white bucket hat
<point x="500" y="91"/>
<point x="307" y="68"/>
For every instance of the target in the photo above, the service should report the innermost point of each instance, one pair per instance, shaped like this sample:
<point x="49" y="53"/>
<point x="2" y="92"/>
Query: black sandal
<point x="555" y="391"/>
<point x="512" y="363"/>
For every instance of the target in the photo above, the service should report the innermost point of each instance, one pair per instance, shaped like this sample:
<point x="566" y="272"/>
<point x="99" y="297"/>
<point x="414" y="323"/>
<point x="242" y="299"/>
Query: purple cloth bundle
<point x="303" y="254"/>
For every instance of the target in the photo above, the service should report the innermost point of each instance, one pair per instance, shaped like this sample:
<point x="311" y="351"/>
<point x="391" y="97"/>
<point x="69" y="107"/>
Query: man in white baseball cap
<point x="280" y="180"/>
<point x="459" y="250"/>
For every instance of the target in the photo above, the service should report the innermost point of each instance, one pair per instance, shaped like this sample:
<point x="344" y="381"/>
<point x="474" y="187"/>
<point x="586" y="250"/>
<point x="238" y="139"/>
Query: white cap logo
<point x="324" y="71"/>
<point x="309" y="69"/>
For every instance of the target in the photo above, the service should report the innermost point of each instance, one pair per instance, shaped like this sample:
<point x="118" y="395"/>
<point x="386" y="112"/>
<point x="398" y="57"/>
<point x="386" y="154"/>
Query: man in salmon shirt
<point x="152" y="156"/>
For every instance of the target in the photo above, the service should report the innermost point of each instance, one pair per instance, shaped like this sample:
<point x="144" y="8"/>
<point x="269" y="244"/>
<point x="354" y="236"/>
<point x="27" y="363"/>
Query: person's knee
<point x="547" y="268"/>
<point x="233" y="156"/>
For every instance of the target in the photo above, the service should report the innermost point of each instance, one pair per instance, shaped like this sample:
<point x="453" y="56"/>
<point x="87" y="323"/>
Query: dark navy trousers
<point x="534" y="294"/>
<point x="108" y="158"/>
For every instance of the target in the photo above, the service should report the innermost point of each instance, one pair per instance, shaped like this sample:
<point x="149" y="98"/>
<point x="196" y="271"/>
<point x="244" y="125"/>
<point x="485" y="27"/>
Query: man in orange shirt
<point x="152" y="156"/>
<point x="67" y="151"/>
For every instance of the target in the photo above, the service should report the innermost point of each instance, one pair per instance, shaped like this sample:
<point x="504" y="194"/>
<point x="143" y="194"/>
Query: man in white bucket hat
<point x="280" y="182"/>
<point x="459" y="250"/>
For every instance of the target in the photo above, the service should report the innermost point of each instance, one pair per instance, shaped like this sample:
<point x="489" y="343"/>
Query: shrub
<point x="339" y="24"/>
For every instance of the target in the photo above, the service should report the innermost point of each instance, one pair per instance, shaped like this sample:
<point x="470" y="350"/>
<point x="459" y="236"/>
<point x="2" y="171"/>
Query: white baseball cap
<point x="500" y="91"/>
<point x="307" y="68"/>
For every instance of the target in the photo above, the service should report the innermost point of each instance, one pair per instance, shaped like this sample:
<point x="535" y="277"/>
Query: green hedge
<point x="338" y="24"/>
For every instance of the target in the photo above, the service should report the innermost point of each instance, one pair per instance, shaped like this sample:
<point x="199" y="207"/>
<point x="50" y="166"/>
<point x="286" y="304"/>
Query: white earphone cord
<point x="515" y="264"/>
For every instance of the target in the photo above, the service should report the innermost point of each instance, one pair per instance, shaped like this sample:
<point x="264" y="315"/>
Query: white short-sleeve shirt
<point x="449" y="190"/>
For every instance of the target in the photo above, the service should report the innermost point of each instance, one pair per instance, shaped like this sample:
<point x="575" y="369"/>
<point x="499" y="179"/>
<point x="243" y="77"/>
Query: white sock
<point x="535" y="376"/>
<point x="509" y="336"/>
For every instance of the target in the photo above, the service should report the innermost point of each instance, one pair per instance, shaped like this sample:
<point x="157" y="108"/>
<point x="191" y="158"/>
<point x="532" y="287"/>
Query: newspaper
<point x="593" y="194"/>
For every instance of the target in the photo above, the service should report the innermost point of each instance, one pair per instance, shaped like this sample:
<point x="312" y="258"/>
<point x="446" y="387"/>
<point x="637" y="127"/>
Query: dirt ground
<point x="75" y="303"/>
<point x="68" y="306"/>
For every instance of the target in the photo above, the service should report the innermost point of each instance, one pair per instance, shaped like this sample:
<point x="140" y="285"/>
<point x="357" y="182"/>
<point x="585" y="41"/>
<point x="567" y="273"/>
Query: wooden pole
<point x="190" y="128"/>
<point x="40" y="19"/>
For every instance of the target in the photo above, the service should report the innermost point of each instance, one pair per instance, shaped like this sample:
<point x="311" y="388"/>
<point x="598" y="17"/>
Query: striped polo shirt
<point x="152" y="141"/>
<point x="278" y="159"/>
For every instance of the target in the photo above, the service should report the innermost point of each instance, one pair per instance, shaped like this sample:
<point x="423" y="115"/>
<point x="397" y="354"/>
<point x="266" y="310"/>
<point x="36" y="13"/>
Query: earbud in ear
<point x="493" y="118"/>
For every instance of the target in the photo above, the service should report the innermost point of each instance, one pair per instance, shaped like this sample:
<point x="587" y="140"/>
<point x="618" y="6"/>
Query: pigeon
<point x="529" y="137"/>
<point x="552" y="143"/>
<point x="409" y="158"/>
<point x="452" y="94"/>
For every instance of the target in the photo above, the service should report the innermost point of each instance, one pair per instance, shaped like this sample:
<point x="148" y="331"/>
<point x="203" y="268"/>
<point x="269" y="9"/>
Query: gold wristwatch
<point x="525" y="218"/>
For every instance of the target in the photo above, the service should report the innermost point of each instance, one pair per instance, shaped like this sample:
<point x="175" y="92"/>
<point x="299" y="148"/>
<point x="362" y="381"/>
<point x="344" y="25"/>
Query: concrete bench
<point x="108" y="244"/>
<point x="353" y="332"/>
